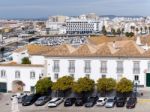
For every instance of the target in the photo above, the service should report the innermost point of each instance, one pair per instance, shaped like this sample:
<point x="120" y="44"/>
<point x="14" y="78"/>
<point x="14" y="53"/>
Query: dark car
<point x="21" y="98"/>
<point x="69" y="102"/>
<point x="91" y="101"/>
<point x="42" y="100"/>
<point x="79" y="101"/>
<point x="120" y="102"/>
<point x="29" y="100"/>
<point x="131" y="102"/>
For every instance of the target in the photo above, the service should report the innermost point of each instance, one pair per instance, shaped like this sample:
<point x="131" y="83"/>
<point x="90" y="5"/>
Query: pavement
<point x="143" y="105"/>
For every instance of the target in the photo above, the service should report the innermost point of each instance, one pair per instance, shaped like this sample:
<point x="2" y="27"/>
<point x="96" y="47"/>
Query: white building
<point x="111" y="59"/>
<point x="27" y="74"/>
<point x="82" y="25"/>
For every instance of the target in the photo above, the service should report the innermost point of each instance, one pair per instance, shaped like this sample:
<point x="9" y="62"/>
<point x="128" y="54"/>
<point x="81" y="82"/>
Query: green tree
<point x="26" y="60"/>
<point x="145" y="29"/>
<point x="149" y="29"/>
<point x="141" y="29"/>
<point x="63" y="84"/>
<point x="113" y="31"/>
<point x="83" y="85"/>
<point x="119" y="31"/>
<point x="124" y="86"/>
<point x="104" y="32"/>
<point x="129" y="34"/>
<point x="122" y="31"/>
<point x="105" y="85"/>
<point x="43" y="86"/>
<point x="137" y="30"/>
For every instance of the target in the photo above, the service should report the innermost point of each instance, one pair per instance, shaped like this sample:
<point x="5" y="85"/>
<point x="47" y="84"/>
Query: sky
<point x="45" y="8"/>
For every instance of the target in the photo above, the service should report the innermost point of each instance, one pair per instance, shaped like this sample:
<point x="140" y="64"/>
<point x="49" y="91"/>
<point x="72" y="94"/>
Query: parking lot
<point x="142" y="106"/>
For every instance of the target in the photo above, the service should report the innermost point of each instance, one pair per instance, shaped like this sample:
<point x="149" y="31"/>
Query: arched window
<point x="17" y="74"/>
<point x="3" y="74"/>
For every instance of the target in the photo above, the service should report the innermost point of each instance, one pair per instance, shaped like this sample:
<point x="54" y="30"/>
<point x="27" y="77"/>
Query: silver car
<point x="110" y="102"/>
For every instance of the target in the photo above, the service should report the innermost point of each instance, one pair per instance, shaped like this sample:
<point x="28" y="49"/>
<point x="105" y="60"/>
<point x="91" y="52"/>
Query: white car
<point x="110" y="102"/>
<point x="55" y="102"/>
<point x="101" y="101"/>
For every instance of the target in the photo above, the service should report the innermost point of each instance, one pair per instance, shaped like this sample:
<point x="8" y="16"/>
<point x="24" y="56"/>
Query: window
<point x="103" y="66"/>
<point x="119" y="66"/>
<point x="136" y="77"/>
<point x="17" y="74"/>
<point x="3" y="74"/>
<point x="103" y="76"/>
<point x="71" y="66"/>
<point x="32" y="75"/>
<point x="136" y="67"/>
<point x="56" y="76"/>
<point x="87" y="68"/>
<point x="56" y="66"/>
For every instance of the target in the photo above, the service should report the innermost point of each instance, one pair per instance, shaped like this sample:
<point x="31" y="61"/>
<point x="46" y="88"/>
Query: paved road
<point x="142" y="106"/>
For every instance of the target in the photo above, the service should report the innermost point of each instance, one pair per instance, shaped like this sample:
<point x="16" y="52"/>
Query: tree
<point x="124" y="86"/>
<point x="106" y="85"/>
<point x="43" y="86"/>
<point x="63" y="84"/>
<point x="104" y="32"/>
<point x="149" y="29"/>
<point x="119" y="31"/>
<point x="141" y="29"/>
<point x="2" y="49"/>
<point x="113" y="31"/>
<point x="122" y="31"/>
<point x="129" y="34"/>
<point x="26" y="60"/>
<point x="83" y="85"/>
<point x="137" y="30"/>
<point x="145" y="29"/>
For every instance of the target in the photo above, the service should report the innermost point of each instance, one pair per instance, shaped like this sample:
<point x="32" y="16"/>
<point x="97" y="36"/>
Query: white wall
<point x="37" y="59"/>
<point x="24" y="77"/>
<point x="95" y="68"/>
<point x="17" y="57"/>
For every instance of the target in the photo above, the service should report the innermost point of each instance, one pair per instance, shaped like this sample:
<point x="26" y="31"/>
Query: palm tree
<point x="149" y="29"/>
<point x="145" y="29"/>
<point x="122" y="31"/>
<point x="137" y="30"/>
<point x="141" y="29"/>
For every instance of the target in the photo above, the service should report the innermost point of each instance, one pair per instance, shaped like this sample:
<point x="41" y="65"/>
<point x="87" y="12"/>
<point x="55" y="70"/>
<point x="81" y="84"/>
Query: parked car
<point x="55" y="102"/>
<point x="30" y="99"/>
<point x="69" y="101"/>
<point x="13" y="97"/>
<point x="101" y="101"/>
<point x="80" y="101"/>
<point x="42" y="100"/>
<point x="91" y="101"/>
<point x="131" y="102"/>
<point x="21" y="98"/>
<point x="120" y="102"/>
<point x="110" y="102"/>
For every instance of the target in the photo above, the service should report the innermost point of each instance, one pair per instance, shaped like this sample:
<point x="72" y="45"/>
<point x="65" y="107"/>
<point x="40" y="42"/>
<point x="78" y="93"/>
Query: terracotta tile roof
<point x="61" y="50"/>
<point x="121" y="48"/>
<point x="84" y="50"/>
<point x="130" y="50"/>
<point x="34" y="49"/>
<point x="102" y="39"/>
<point x="103" y="50"/>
